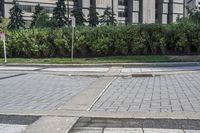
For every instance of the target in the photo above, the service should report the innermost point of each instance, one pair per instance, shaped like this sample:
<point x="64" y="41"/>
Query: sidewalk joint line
<point x="12" y="76"/>
<point x="101" y="94"/>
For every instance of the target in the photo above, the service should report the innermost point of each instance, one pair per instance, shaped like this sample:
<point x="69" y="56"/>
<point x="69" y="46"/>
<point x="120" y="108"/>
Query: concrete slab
<point x="159" y="69"/>
<point x="77" y="69"/>
<point x="85" y="99"/>
<point x="123" y="130"/>
<point x="150" y="130"/>
<point x="192" y="131"/>
<point x="12" y="128"/>
<point x="114" y="71"/>
<point x="8" y="68"/>
<point x="52" y="125"/>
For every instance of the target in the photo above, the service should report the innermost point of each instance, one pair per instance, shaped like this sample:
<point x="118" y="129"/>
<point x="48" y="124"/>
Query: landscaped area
<point x="100" y="60"/>
<point x="98" y="42"/>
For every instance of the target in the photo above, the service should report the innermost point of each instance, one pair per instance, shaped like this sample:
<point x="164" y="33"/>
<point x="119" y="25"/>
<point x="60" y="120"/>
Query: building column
<point x="93" y="3"/>
<point x="162" y="11"/>
<point x="140" y="11"/>
<point x="2" y="8"/>
<point x="130" y="11"/>
<point x="176" y="10"/>
<point x="134" y="11"/>
<point x="148" y="10"/>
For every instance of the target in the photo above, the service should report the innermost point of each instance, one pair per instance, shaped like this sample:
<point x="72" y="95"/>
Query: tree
<point x="16" y="17"/>
<point x="93" y="18"/>
<point x="78" y="14"/>
<point x="42" y="20"/>
<point x="108" y="17"/>
<point x="194" y="16"/>
<point x="59" y="13"/>
<point x="36" y="15"/>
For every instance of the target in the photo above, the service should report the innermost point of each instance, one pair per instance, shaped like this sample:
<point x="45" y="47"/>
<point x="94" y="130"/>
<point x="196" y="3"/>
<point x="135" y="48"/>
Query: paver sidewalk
<point x="40" y="92"/>
<point x="59" y="96"/>
<point x="170" y="93"/>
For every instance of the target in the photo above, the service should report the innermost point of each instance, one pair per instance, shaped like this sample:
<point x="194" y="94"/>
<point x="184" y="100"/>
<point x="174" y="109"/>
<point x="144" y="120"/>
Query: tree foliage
<point x="43" y="20"/>
<point x="80" y="17"/>
<point x="3" y="24"/>
<point x="93" y="18"/>
<point x="147" y="39"/>
<point x="36" y="15"/>
<point x="59" y="13"/>
<point x="108" y="17"/>
<point x="16" y="17"/>
<point x="193" y="17"/>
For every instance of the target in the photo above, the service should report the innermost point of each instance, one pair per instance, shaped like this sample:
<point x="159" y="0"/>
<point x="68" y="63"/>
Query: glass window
<point x="122" y="2"/>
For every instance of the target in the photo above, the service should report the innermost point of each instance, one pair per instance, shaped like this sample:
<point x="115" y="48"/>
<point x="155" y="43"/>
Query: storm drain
<point x="100" y="124"/>
<point x="142" y="75"/>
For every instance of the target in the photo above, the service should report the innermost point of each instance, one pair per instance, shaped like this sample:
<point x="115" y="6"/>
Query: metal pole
<point x="68" y="11"/>
<point x="72" y="53"/>
<point x="112" y="2"/>
<point x="4" y="47"/>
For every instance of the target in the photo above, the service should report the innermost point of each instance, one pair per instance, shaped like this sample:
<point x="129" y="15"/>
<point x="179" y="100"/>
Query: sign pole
<point x="72" y="54"/>
<point x="4" y="48"/>
<point x="3" y="38"/>
<point x="73" y="34"/>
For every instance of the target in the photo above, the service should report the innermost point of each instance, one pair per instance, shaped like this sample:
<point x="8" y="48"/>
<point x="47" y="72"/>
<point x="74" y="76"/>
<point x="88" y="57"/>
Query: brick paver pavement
<point x="40" y="92"/>
<point x="169" y="93"/>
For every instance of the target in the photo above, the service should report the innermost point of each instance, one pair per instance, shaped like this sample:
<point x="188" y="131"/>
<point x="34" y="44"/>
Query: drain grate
<point x="139" y="123"/>
<point x="142" y="75"/>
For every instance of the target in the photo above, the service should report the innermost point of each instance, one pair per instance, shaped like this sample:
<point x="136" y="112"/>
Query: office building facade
<point x="126" y="11"/>
<point x="193" y="4"/>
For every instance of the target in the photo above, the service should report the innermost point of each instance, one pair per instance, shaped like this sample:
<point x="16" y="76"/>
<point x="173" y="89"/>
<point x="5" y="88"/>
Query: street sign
<point x="3" y="38"/>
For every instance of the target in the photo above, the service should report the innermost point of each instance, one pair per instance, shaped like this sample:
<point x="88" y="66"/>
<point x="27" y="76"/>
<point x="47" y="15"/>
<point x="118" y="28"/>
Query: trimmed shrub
<point x="147" y="39"/>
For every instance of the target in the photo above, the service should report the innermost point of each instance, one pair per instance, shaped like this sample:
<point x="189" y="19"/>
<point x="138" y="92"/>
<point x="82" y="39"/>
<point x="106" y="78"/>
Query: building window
<point x="122" y="2"/>
<point x="31" y="9"/>
<point x="26" y="8"/>
<point x="122" y="14"/>
<point x="48" y="9"/>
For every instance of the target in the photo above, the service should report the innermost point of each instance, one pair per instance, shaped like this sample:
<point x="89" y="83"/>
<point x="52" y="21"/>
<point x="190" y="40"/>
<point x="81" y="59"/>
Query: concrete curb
<point x="163" y="64"/>
<point x="54" y="124"/>
<point x="91" y="114"/>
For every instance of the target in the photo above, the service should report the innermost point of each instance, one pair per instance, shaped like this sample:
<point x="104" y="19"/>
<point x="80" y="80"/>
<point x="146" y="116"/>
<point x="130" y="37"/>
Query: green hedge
<point x="152" y="39"/>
